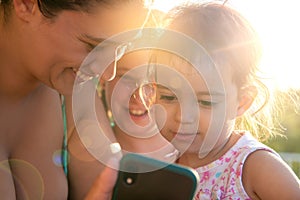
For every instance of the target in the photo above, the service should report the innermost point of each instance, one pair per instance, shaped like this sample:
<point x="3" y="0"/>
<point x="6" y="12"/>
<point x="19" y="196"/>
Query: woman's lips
<point x="81" y="76"/>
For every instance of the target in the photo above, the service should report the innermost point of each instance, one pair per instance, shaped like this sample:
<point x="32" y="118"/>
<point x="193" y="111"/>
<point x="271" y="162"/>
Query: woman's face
<point x="53" y="49"/>
<point x="215" y="104"/>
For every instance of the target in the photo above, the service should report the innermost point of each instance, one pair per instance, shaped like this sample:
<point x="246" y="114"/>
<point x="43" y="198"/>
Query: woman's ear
<point x="247" y="96"/>
<point x="25" y="8"/>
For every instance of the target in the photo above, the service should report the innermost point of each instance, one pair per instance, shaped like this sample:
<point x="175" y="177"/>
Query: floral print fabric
<point x="222" y="179"/>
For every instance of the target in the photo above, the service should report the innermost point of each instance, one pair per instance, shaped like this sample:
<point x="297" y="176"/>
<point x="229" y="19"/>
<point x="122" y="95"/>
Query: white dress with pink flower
<point x="222" y="179"/>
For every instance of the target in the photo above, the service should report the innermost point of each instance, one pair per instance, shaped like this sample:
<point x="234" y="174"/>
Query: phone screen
<point x="143" y="178"/>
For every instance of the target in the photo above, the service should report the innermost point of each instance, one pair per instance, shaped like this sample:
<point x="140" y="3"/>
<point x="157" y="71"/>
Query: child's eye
<point x="206" y="103"/>
<point x="126" y="79"/>
<point x="168" y="97"/>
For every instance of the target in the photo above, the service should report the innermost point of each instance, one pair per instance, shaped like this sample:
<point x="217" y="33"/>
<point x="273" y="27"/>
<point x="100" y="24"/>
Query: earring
<point x="99" y="89"/>
<point x="111" y="118"/>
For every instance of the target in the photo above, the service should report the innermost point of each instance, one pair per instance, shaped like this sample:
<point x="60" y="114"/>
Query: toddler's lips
<point x="187" y="137"/>
<point x="138" y="114"/>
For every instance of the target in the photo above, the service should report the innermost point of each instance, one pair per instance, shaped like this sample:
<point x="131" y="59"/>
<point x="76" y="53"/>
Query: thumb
<point x="103" y="186"/>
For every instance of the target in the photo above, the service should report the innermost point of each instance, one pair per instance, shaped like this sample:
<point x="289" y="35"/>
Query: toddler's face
<point x="123" y="95"/>
<point x="200" y="108"/>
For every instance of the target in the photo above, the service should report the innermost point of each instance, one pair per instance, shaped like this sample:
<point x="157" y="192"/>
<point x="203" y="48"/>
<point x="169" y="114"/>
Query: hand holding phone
<point x="144" y="178"/>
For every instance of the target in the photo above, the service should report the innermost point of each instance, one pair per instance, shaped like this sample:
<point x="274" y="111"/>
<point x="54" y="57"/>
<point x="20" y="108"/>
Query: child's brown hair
<point x="232" y="43"/>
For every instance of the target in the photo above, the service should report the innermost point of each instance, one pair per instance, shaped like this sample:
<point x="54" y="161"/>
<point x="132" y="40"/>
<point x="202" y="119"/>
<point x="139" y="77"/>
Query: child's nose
<point x="135" y="97"/>
<point x="187" y="114"/>
<point x="145" y="94"/>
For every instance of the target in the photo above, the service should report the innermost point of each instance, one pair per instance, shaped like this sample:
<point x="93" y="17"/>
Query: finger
<point x="103" y="186"/>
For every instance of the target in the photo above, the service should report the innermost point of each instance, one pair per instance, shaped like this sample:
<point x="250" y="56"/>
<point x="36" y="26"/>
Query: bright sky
<point x="278" y="24"/>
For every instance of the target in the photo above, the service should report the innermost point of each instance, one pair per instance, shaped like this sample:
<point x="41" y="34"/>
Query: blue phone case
<point x="144" y="178"/>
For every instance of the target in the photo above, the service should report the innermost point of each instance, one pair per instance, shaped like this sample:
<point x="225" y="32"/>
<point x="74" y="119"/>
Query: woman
<point x="42" y="46"/>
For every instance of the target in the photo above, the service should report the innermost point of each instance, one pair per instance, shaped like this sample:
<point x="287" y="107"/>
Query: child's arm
<point x="266" y="176"/>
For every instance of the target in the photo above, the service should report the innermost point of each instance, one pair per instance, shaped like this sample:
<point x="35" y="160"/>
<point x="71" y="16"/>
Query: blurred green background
<point x="289" y="146"/>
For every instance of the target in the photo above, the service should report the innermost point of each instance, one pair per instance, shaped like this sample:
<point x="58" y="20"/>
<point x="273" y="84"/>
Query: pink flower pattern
<point x="222" y="179"/>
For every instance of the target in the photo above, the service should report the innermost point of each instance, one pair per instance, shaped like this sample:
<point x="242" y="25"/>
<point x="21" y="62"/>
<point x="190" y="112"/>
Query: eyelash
<point x="168" y="97"/>
<point x="206" y="103"/>
<point x="171" y="99"/>
<point x="90" y="47"/>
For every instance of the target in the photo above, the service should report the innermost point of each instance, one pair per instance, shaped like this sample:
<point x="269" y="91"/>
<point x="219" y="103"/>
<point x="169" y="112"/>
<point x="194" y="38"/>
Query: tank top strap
<point x="65" y="137"/>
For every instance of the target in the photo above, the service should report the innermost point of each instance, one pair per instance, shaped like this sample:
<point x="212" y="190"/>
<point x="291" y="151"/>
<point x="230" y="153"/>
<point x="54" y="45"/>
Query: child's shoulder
<point x="263" y="169"/>
<point x="248" y="143"/>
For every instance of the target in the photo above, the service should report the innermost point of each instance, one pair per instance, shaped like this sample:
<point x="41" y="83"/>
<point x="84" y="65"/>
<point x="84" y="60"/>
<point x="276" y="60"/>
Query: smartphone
<point x="144" y="178"/>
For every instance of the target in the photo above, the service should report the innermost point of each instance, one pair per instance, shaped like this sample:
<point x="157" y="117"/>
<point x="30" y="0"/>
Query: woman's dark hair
<point x="50" y="8"/>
